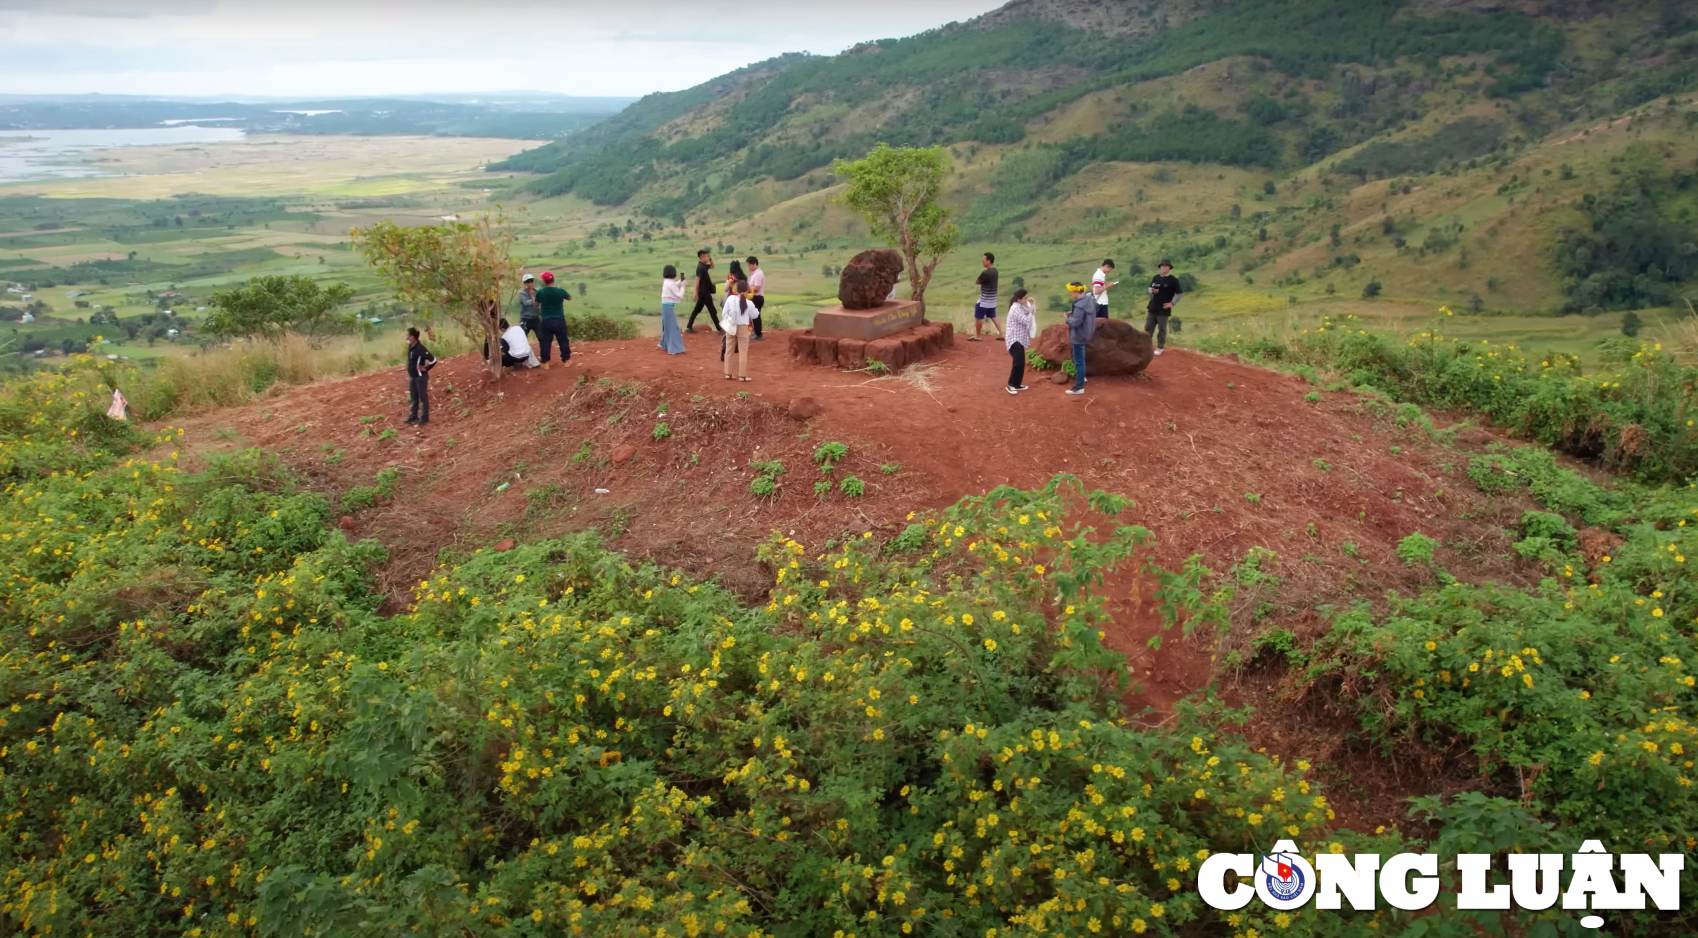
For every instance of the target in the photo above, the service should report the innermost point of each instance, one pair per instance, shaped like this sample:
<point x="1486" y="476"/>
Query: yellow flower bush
<point x="208" y="730"/>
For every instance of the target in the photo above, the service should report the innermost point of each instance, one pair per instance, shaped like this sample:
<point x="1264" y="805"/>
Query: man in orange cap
<point x="551" y="327"/>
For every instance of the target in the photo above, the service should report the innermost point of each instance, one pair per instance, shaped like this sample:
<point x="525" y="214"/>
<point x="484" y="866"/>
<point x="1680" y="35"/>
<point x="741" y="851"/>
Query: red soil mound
<point x="1219" y="457"/>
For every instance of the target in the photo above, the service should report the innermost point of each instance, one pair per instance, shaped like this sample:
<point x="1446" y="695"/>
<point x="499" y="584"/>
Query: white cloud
<point x="321" y="48"/>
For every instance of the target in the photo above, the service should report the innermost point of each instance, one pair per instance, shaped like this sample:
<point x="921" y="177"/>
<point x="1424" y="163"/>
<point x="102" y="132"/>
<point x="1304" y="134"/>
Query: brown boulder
<point x="806" y="408"/>
<point x="623" y="452"/>
<point x="346" y="523"/>
<point x="1118" y="348"/>
<point x="502" y="546"/>
<point x="868" y="278"/>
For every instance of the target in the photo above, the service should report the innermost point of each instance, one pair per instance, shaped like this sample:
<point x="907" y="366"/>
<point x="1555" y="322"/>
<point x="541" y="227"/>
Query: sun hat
<point x="527" y="278"/>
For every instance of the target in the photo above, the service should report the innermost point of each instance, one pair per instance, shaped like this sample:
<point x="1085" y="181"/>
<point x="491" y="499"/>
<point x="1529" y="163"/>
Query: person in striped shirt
<point x="1022" y="325"/>
<point x="986" y="310"/>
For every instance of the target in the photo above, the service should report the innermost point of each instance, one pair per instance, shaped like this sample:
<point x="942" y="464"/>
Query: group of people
<point x="1090" y="303"/>
<point x="738" y="321"/>
<point x="542" y="312"/>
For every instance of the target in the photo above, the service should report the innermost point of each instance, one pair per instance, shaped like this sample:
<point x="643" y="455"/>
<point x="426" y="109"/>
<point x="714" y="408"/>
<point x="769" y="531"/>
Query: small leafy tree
<point x="459" y="270"/>
<point x="271" y="307"/>
<point x="896" y="189"/>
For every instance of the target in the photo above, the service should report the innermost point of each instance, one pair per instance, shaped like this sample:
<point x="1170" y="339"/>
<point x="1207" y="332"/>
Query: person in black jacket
<point x="419" y="363"/>
<point x="1164" y="295"/>
<point x="705" y="289"/>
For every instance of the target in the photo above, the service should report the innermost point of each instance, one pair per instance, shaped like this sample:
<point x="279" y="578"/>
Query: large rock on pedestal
<point x="1118" y="348"/>
<point x="868" y="278"/>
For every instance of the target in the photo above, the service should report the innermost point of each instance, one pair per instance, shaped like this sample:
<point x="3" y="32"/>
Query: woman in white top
<point x="671" y="294"/>
<point x="1022" y="326"/>
<point x="736" y="316"/>
<point x="515" y="348"/>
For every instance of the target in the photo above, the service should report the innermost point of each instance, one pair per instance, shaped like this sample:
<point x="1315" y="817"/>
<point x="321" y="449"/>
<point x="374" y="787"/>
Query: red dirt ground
<point x="1219" y="457"/>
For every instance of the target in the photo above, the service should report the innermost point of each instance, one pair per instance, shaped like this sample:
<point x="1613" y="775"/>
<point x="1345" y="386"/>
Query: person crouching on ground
<point x="986" y="308"/>
<point x="515" y="348"/>
<point x="735" y="317"/>
<point x="1081" y="325"/>
<point x="1022" y="324"/>
<point x="419" y="363"/>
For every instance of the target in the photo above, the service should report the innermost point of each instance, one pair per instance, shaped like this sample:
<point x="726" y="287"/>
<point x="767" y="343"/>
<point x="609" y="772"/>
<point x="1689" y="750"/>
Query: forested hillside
<point x="1040" y="98"/>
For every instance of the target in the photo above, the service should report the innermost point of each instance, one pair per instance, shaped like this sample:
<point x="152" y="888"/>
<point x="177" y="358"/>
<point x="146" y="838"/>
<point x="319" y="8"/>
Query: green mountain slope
<point x="1044" y="101"/>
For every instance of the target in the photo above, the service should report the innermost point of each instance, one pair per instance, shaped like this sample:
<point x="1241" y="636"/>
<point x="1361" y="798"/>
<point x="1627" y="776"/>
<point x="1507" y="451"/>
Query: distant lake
<point x="51" y="154"/>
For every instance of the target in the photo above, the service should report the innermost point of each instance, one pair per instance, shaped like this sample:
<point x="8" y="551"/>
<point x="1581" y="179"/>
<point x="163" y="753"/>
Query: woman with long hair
<point x="735" y="317"/>
<point x="671" y="294"/>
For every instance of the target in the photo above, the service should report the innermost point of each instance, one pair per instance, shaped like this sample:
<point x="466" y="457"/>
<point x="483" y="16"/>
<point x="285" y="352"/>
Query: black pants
<point x="508" y="361"/>
<point x="1017" y="368"/>
<point x="418" y="391"/>
<point x="1102" y="310"/>
<point x="705" y="301"/>
<point x="550" y="331"/>
<point x="531" y="326"/>
<point x="1155" y="324"/>
<point x="760" y="304"/>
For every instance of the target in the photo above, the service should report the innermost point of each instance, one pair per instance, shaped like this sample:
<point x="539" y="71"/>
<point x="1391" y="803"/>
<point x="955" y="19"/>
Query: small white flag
<point x="116" y="411"/>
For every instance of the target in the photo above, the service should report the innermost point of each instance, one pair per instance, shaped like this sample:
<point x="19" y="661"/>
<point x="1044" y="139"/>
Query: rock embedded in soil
<point x="868" y="278"/>
<point x="623" y="452"/>
<point x="806" y="408"/>
<point x="1118" y="348"/>
<point x="504" y="545"/>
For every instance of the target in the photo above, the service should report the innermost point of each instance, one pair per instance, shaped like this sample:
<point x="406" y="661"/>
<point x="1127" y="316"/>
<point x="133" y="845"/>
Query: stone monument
<point x="865" y="313"/>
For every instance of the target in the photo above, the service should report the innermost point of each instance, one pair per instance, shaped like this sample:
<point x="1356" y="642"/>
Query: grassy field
<point x="194" y="220"/>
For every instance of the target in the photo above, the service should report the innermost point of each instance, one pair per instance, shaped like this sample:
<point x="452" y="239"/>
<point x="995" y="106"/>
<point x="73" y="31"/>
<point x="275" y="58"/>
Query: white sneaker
<point x="1158" y="351"/>
<point x="1075" y="390"/>
<point x="1013" y="390"/>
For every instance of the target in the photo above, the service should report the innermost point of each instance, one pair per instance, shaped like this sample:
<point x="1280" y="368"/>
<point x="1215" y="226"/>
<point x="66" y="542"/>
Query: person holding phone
<point x="1100" y="285"/>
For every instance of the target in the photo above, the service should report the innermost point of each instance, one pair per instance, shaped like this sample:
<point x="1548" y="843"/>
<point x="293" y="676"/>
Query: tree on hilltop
<point x="271" y="307"/>
<point x="460" y="270"/>
<point x="895" y="189"/>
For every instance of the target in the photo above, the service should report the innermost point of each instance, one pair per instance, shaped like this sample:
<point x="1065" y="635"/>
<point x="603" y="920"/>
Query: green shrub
<point x="1633" y="415"/>
<point x="1417" y="548"/>
<point x="852" y="486"/>
<point x="829" y="454"/>
<point x="213" y="732"/>
<point x="596" y="327"/>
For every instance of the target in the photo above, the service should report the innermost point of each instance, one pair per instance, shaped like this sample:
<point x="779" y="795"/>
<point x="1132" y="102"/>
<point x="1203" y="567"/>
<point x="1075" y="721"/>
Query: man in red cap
<point x="551" y="306"/>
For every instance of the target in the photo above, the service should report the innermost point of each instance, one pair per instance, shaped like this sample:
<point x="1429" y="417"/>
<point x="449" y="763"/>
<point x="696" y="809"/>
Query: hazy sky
<point x="354" y="47"/>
